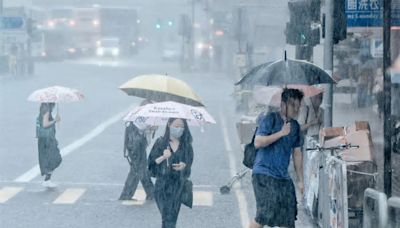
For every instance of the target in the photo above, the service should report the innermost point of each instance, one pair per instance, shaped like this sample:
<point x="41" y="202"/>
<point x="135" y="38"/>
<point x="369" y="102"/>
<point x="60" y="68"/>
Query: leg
<point x="170" y="216"/>
<point x="147" y="184"/>
<point x="131" y="184"/>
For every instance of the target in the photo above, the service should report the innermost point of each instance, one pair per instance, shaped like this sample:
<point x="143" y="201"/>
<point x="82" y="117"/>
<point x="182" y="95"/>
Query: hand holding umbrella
<point x="167" y="154"/>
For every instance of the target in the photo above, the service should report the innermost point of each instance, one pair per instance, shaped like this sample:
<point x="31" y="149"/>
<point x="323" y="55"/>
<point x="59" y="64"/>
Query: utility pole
<point x="387" y="114"/>
<point x="328" y="61"/>
<point x="192" y="41"/>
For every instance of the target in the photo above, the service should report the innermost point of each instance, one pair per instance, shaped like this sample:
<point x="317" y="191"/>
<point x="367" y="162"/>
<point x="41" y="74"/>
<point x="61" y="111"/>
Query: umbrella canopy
<point x="271" y="95"/>
<point x="284" y="72"/>
<point x="157" y="114"/>
<point x="56" y="94"/>
<point x="161" y="88"/>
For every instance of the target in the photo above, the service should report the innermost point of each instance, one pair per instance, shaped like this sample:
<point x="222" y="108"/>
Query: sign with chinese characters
<point x="369" y="13"/>
<point x="7" y="23"/>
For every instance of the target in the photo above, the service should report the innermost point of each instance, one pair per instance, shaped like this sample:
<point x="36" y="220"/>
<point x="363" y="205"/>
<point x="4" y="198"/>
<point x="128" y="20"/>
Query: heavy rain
<point x="199" y="113"/>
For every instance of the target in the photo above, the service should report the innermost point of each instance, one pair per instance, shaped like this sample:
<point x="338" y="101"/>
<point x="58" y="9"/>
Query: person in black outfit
<point x="170" y="161"/>
<point x="135" y="151"/>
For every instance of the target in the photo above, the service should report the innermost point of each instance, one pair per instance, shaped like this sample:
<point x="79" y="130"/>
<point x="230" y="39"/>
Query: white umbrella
<point x="157" y="114"/>
<point x="56" y="94"/>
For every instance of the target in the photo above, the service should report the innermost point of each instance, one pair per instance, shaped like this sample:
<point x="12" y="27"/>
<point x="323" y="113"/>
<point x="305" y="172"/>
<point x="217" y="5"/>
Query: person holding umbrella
<point x="136" y="141"/>
<point x="170" y="162"/>
<point x="277" y="138"/>
<point x="49" y="153"/>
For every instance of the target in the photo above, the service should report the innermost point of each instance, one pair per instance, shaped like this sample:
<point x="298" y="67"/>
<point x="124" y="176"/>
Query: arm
<point x="46" y="122"/>
<point x="298" y="166"/>
<point x="188" y="160"/>
<point x="264" y="141"/>
<point x="156" y="158"/>
<point x="160" y="159"/>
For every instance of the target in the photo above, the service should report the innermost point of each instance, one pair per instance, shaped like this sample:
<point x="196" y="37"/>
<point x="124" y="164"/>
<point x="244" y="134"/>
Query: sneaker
<point x="48" y="184"/>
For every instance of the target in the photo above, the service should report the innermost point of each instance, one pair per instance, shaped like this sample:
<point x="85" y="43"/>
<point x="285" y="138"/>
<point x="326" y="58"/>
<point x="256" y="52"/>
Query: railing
<point x="380" y="200"/>
<point x="393" y="204"/>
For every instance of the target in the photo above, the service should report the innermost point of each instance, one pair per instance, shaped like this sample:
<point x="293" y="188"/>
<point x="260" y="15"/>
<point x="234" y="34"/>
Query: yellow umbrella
<point x="161" y="88"/>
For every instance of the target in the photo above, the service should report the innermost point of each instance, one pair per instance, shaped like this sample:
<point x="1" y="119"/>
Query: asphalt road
<point x="90" y="137"/>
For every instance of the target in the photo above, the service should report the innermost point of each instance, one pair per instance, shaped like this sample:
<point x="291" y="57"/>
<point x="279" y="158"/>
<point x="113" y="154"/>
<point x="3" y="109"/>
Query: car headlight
<point x="71" y="50"/>
<point x="115" y="51"/>
<point x="100" y="51"/>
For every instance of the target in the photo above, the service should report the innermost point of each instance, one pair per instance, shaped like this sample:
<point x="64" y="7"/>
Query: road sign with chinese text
<point x="369" y="13"/>
<point x="11" y="23"/>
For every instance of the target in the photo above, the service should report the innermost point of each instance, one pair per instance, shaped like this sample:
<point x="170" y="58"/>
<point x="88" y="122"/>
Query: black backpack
<point x="250" y="151"/>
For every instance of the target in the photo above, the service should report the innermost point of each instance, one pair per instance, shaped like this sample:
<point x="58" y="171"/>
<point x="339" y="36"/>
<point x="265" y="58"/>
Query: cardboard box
<point x="245" y="131"/>
<point x="359" y="125"/>
<point x="360" y="138"/>
<point x="329" y="133"/>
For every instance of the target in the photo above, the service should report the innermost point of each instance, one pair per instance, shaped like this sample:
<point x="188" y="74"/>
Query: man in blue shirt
<point x="277" y="137"/>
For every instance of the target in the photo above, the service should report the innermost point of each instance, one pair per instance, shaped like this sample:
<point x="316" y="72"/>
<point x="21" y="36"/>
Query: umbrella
<point x="56" y="94"/>
<point x="161" y="88"/>
<point x="157" y="114"/>
<point x="286" y="71"/>
<point x="271" y="95"/>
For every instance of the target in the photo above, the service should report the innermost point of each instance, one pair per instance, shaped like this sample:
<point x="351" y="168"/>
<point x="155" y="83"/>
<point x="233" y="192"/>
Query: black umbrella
<point x="284" y="72"/>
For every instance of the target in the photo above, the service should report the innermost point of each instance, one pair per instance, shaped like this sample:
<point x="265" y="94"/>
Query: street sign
<point x="369" y="13"/>
<point x="7" y="23"/>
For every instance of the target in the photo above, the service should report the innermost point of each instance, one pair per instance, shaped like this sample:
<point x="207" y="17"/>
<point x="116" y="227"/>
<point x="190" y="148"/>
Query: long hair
<point x="46" y="107"/>
<point x="185" y="139"/>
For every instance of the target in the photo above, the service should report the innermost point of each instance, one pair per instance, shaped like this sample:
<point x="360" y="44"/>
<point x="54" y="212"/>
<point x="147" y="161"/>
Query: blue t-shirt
<point x="274" y="159"/>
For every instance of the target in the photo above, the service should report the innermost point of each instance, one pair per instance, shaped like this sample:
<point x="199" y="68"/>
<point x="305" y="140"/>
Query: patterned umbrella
<point x="56" y="94"/>
<point x="271" y="95"/>
<point x="157" y="114"/>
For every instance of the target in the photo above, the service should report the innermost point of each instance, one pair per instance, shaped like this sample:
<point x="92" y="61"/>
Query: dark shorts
<point x="276" y="201"/>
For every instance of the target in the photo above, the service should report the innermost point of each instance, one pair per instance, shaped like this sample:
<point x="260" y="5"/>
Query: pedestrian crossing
<point x="7" y="193"/>
<point x="74" y="195"/>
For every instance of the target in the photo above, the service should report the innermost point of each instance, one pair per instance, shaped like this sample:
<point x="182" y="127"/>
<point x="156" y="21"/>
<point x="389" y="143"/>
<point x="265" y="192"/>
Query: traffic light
<point x="158" y="23"/>
<point x="170" y="23"/>
<point x="340" y="21"/>
<point x="300" y="29"/>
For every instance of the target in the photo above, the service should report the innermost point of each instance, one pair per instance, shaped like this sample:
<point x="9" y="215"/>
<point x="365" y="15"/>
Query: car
<point x="171" y="52"/>
<point x="108" y="47"/>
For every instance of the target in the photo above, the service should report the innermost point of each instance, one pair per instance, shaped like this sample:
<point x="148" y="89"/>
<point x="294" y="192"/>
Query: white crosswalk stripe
<point x="203" y="198"/>
<point x="7" y="193"/>
<point x="72" y="195"/>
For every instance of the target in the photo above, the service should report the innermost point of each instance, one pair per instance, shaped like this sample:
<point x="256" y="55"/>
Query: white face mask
<point x="176" y="132"/>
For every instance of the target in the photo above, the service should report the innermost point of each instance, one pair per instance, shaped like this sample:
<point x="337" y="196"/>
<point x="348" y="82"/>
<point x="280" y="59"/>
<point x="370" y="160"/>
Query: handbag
<point x="42" y="132"/>
<point x="187" y="193"/>
<point x="250" y="153"/>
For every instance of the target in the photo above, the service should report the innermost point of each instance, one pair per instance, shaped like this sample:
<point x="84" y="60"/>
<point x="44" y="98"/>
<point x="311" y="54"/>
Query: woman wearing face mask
<point x="170" y="161"/>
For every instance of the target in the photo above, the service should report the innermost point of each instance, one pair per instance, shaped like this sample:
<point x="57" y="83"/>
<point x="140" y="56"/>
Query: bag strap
<point x="254" y="136"/>
<point x="273" y="125"/>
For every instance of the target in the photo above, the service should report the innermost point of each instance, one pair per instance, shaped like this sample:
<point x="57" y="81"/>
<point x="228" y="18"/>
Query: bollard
<point x="393" y="204"/>
<point x="381" y="199"/>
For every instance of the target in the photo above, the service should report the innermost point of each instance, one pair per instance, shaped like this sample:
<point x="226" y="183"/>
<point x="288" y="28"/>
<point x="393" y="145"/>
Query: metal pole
<point x="328" y="61"/>
<point x="192" y="44"/>
<point x="387" y="124"/>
